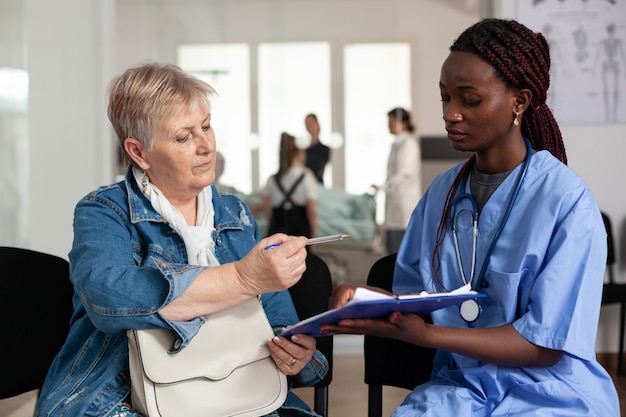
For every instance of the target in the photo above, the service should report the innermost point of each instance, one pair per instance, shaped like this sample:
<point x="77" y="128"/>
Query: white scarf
<point x="198" y="241"/>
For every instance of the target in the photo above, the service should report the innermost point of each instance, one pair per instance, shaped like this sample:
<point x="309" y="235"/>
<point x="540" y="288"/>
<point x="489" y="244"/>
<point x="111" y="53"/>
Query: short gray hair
<point x="143" y="97"/>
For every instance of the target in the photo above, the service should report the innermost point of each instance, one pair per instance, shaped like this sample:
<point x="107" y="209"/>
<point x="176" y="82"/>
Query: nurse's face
<point x="182" y="160"/>
<point x="478" y="108"/>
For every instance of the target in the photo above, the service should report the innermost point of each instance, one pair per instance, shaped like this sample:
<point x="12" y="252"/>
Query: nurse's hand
<point x="404" y="327"/>
<point x="341" y="295"/>
<point x="345" y="292"/>
<point x="396" y="326"/>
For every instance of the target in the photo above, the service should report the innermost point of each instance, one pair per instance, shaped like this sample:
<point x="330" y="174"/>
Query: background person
<point x="402" y="187"/>
<point x="163" y="249"/>
<point x="220" y="165"/>
<point x="317" y="154"/>
<point x="290" y="195"/>
<point x="528" y="349"/>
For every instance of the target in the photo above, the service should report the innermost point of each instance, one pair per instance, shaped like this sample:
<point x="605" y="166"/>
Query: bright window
<point x="376" y="79"/>
<point x="226" y="67"/>
<point x="294" y="80"/>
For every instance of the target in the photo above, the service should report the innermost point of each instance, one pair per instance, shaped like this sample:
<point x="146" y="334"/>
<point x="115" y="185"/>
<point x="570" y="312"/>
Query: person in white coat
<point x="403" y="184"/>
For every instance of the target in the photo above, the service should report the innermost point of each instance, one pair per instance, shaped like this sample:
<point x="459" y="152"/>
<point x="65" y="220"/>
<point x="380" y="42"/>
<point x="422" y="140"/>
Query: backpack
<point x="292" y="221"/>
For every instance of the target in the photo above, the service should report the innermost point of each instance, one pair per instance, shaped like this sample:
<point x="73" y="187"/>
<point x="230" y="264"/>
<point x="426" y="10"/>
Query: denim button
<point x="177" y="343"/>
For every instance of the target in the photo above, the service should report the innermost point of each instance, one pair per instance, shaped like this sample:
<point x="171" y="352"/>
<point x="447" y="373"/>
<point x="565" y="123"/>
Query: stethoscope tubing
<point x="477" y="284"/>
<point x="474" y="238"/>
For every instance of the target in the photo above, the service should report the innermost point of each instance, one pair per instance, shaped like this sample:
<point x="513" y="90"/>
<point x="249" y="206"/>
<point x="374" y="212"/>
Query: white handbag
<point x="226" y="370"/>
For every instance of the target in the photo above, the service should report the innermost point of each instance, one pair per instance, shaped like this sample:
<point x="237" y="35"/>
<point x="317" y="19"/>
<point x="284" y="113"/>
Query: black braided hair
<point x="521" y="58"/>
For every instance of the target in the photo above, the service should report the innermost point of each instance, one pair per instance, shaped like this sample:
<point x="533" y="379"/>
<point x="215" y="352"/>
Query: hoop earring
<point x="144" y="182"/>
<point x="516" y="120"/>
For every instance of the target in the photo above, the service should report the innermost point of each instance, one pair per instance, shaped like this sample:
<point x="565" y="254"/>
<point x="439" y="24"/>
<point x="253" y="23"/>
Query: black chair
<point x="612" y="292"/>
<point x="387" y="361"/>
<point x="310" y="297"/>
<point x="36" y="308"/>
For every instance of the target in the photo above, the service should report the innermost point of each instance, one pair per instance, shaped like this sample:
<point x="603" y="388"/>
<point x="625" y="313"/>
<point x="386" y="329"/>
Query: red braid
<point x="443" y="224"/>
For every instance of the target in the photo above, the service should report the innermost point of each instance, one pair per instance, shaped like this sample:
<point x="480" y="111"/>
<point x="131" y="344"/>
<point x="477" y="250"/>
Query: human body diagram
<point x="611" y="59"/>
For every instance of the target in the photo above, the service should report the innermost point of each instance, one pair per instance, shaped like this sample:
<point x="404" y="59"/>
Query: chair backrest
<point x="610" y="252"/>
<point x="310" y="297"/>
<point x="613" y="292"/>
<point x="388" y="361"/>
<point x="36" y="309"/>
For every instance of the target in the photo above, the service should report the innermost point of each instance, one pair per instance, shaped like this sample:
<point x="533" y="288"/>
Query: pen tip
<point x="345" y="235"/>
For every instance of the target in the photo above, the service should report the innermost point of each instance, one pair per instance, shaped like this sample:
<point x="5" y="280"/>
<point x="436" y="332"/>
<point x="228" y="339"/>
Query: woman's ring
<point x="293" y="362"/>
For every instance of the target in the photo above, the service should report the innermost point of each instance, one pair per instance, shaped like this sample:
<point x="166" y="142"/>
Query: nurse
<point x="539" y="253"/>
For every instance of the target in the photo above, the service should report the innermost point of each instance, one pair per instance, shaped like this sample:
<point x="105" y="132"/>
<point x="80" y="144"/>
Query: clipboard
<point x="370" y="304"/>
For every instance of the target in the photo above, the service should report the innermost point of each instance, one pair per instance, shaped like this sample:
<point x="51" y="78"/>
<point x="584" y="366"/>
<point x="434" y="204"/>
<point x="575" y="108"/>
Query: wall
<point x="596" y="153"/>
<point x="14" y="167"/>
<point x="165" y="25"/>
<point x="66" y="117"/>
<point x="74" y="48"/>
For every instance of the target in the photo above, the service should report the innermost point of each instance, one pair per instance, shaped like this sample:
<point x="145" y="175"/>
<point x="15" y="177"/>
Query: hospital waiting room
<point x="316" y="208"/>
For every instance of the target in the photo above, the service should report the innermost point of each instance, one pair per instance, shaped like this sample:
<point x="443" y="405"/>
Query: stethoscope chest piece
<point x="469" y="310"/>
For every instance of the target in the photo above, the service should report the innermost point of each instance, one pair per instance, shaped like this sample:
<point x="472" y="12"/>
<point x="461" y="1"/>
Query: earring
<point x="144" y="182"/>
<point x="516" y="120"/>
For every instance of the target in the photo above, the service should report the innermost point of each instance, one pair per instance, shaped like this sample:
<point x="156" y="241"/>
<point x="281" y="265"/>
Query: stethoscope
<point x="470" y="309"/>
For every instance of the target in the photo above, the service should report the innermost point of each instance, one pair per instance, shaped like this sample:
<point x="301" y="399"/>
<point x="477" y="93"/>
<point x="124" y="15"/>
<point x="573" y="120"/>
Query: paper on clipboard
<point x="370" y="304"/>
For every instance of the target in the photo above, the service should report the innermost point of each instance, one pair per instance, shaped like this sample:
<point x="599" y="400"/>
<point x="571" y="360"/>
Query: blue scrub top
<point x="545" y="277"/>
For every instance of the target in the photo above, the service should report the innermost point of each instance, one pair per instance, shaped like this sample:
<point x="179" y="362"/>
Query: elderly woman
<point x="162" y="249"/>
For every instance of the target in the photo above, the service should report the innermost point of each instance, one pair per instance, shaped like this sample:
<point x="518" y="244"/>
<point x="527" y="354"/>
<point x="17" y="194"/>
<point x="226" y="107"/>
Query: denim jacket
<point x="127" y="263"/>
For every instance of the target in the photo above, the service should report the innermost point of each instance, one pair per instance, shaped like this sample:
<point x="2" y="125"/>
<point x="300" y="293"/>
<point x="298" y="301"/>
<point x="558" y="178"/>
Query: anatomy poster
<point x="587" y="46"/>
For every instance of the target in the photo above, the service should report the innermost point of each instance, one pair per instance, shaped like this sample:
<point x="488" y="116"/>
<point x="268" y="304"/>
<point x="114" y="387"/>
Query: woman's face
<point x="182" y="160"/>
<point x="478" y="108"/>
<point x="395" y="126"/>
<point x="312" y="126"/>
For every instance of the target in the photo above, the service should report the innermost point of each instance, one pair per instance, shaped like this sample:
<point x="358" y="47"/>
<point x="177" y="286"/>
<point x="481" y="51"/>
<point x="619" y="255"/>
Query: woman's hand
<point x="260" y="271"/>
<point x="275" y="269"/>
<point x="291" y="355"/>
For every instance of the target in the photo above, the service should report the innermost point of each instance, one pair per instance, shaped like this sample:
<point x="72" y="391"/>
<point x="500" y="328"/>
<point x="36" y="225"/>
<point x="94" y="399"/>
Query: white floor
<point x="20" y="406"/>
<point x="347" y="344"/>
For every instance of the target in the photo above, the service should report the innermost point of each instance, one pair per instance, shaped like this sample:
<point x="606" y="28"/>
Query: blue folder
<point x="365" y="309"/>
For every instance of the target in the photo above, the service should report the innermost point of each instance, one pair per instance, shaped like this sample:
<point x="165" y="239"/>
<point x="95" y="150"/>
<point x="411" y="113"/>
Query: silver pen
<point x="315" y="240"/>
<point x="324" y="239"/>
